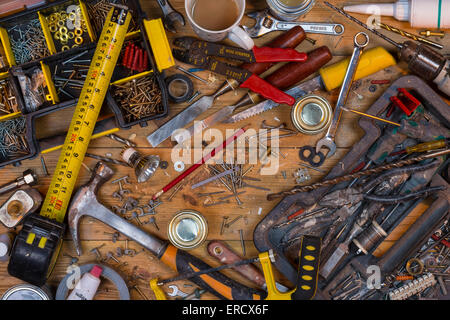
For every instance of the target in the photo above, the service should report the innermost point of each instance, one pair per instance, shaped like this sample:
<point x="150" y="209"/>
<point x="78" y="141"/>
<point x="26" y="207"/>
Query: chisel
<point x="289" y="39"/>
<point x="331" y="77"/>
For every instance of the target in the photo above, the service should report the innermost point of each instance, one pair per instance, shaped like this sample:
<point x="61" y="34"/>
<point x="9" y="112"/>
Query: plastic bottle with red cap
<point x="86" y="288"/>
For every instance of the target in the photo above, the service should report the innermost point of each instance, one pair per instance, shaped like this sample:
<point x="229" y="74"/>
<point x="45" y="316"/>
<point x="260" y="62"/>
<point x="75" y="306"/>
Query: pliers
<point x="199" y="53"/>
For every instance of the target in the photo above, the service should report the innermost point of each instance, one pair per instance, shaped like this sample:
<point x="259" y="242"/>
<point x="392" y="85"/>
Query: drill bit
<point x="115" y="137"/>
<point x="410" y="35"/>
<point x="359" y="174"/>
<point x="398" y="45"/>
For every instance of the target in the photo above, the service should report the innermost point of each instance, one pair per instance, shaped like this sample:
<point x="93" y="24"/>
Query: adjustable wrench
<point x="328" y="140"/>
<point x="266" y="23"/>
<point x="170" y="15"/>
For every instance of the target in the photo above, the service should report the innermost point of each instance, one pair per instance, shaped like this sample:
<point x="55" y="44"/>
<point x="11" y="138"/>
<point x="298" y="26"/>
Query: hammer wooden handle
<point x="294" y="72"/>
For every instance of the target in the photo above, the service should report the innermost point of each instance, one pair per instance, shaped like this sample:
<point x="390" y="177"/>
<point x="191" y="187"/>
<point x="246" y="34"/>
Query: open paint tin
<point x="187" y="229"/>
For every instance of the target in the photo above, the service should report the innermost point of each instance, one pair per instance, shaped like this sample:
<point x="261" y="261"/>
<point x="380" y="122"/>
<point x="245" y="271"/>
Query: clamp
<point x="308" y="272"/>
<point x="199" y="53"/>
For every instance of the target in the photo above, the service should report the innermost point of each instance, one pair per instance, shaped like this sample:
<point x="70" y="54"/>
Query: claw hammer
<point x="85" y="203"/>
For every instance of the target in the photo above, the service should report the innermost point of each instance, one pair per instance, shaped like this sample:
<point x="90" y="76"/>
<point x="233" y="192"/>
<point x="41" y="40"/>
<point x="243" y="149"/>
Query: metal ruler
<point x="86" y="113"/>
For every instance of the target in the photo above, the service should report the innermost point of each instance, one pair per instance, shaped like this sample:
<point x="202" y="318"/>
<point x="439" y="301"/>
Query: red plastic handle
<point x="265" y="89"/>
<point x="266" y="54"/>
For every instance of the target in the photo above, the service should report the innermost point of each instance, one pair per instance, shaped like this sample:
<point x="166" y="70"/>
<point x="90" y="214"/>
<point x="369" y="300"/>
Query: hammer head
<point x="85" y="200"/>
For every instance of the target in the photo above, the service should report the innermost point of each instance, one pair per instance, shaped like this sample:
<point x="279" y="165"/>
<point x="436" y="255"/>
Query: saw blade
<point x="296" y="92"/>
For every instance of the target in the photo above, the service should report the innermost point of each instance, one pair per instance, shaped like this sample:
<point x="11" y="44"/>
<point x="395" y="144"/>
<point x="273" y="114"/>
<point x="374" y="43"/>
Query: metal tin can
<point x="311" y="114"/>
<point x="188" y="229"/>
<point x="27" y="292"/>
<point x="289" y="10"/>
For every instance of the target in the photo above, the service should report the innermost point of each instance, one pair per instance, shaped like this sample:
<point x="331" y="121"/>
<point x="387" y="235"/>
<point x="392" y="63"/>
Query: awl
<point x="330" y="77"/>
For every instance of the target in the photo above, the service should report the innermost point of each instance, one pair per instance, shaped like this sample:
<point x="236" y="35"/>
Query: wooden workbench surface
<point x="93" y="232"/>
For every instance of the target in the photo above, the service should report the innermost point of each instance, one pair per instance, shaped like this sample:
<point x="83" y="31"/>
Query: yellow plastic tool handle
<point x="372" y="60"/>
<point x="272" y="292"/>
<point x="157" y="290"/>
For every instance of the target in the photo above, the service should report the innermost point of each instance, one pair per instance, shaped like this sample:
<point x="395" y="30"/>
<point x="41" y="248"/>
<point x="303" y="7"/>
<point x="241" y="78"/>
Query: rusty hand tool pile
<point x="325" y="233"/>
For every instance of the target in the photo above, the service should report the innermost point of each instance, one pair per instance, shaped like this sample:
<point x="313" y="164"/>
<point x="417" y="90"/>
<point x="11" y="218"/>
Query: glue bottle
<point x="86" y="288"/>
<point x="420" y="13"/>
<point x="5" y="246"/>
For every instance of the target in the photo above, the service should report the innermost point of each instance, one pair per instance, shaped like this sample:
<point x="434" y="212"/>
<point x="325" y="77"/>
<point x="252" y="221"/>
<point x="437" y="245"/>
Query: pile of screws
<point x="135" y="58"/>
<point x="8" y="102"/>
<point x="28" y="42"/>
<point x="99" y="10"/>
<point x="13" y="143"/>
<point x="131" y="204"/>
<point x="139" y="98"/>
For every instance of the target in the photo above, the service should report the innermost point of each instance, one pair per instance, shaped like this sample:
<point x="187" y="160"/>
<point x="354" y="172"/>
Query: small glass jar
<point x="289" y="10"/>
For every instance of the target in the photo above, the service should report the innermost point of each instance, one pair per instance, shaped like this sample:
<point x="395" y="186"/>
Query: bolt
<point x="241" y="236"/>
<point x="152" y="220"/>
<point x="110" y="255"/>
<point x="140" y="292"/>
<point x="225" y="218"/>
<point x="195" y="95"/>
<point x="311" y="40"/>
<point x="429" y="33"/>
<point x="233" y="221"/>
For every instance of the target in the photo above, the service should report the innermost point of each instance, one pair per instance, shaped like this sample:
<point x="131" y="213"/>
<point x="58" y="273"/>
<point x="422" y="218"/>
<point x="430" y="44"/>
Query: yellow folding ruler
<point x="37" y="245"/>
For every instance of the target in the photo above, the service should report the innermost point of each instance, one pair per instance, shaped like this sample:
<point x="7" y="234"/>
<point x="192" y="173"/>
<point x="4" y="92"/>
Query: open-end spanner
<point x="176" y="292"/>
<point x="170" y="15"/>
<point x="266" y="23"/>
<point x="328" y="140"/>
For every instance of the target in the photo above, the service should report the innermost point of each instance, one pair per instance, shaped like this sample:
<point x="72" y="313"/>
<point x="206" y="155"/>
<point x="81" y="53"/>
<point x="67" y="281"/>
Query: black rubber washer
<point x="189" y="85"/>
<point x="163" y="164"/>
<point x="312" y="155"/>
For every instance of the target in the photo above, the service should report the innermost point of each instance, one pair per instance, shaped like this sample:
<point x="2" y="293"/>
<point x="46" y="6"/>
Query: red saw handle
<point x="267" y="54"/>
<point x="268" y="91"/>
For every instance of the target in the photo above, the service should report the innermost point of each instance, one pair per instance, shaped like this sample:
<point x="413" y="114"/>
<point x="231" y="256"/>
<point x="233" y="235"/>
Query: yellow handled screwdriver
<point x="424" y="147"/>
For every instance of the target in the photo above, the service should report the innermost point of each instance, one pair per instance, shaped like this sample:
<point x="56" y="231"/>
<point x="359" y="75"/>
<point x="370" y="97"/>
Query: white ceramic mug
<point x="235" y="33"/>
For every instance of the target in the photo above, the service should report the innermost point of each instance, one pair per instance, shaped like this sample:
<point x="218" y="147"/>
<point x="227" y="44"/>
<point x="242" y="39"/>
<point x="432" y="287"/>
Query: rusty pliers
<point x="200" y="53"/>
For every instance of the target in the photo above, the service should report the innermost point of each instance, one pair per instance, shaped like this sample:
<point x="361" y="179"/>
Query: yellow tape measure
<point x="86" y="113"/>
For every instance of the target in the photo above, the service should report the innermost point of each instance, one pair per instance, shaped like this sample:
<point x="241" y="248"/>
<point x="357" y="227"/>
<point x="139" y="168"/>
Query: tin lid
<point x="188" y="229"/>
<point x="294" y="6"/>
<point x="311" y="114"/>
<point x="25" y="292"/>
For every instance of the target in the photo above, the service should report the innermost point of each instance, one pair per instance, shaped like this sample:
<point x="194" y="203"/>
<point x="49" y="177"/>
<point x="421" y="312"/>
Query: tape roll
<point x="187" y="94"/>
<point x="108" y="273"/>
